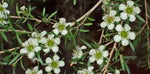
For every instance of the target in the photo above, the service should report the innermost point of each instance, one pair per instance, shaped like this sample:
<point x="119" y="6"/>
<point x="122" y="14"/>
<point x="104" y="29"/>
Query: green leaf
<point x="132" y="46"/>
<point x="50" y="16"/>
<point x="74" y="2"/>
<point x="122" y="65"/>
<point x="14" y="59"/>
<point x="18" y="38"/>
<point x="43" y="11"/>
<point x="140" y="18"/>
<point x="86" y="43"/>
<point x="127" y="68"/>
<point x="4" y="36"/>
<point x="90" y="19"/>
<point x="88" y="24"/>
<point x="83" y="30"/>
<point x="30" y="27"/>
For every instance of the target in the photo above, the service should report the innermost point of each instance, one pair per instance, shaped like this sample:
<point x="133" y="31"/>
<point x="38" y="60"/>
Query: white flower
<point x="78" y="53"/>
<point x="54" y="64"/>
<point x="61" y="26"/>
<point x="3" y="13"/>
<point x="124" y="34"/>
<point x="117" y="71"/>
<point x="52" y="43"/>
<point x="86" y="71"/>
<point x="39" y="36"/>
<point x="129" y="10"/>
<point x="98" y="55"/>
<point x="109" y="20"/>
<point x="30" y="47"/>
<point x="23" y="8"/>
<point x="34" y="71"/>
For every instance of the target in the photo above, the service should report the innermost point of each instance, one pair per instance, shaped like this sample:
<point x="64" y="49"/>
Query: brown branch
<point x="12" y="49"/>
<point x="101" y="37"/>
<point x="18" y="17"/>
<point x="141" y="30"/>
<point x="17" y="60"/>
<point x="148" y="43"/>
<point x="3" y="30"/>
<point x="109" y="43"/>
<point x="110" y="56"/>
<point x="90" y="11"/>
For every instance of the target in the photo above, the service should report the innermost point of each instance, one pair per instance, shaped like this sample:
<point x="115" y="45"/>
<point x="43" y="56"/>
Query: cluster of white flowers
<point x="4" y="13"/>
<point x="124" y="34"/>
<point x="30" y="47"/>
<point x="126" y="11"/>
<point x="110" y="19"/>
<point x="61" y="26"/>
<point x="86" y="71"/>
<point x="54" y="64"/>
<point x="35" y="70"/>
<point x="98" y="55"/>
<point x="129" y="10"/>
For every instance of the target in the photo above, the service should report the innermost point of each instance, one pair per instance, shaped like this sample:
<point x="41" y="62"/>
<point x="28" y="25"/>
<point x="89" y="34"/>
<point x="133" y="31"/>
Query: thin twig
<point x="90" y="11"/>
<point x="17" y="60"/>
<point x="109" y="43"/>
<point x="12" y="49"/>
<point x="101" y="37"/>
<point x="110" y="56"/>
<point x="17" y="17"/>
<point x="141" y="30"/>
<point x="3" y="30"/>
<point x="148" y="43"/>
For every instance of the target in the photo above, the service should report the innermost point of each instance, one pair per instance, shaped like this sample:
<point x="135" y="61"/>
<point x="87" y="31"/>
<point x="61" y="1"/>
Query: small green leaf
<point x="140" y="18"/>
<point x="74" y="2"/>
<point x="132" y="46"/>
<point x="90" y="19"/>
<point x="50" y="16"/>
<point x="14" y="59"/>
<point x="127" y="68"/>
<point x="30" y="27"/>
<point x="4" y="36"/>
<point x="83" y="30"/>
<point x="122" y="65"/>
<point x="43" y="11"/>
<point x="88" y="24"/>
<point x="86" y="43"/>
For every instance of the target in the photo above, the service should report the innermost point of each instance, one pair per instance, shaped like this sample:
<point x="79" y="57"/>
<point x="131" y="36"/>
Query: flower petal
<point x="100" y="61"/>
<point x="92" y="52"/>
<point x="119" y="28"/>
<point x="62" y="20"/>
<point x="117" y="38"/>
<point x="112" y="13"/>
<point x="48" y="68"/>
<point x="101" y="48"/>
<point x="111" y="26"/>
<point x="132" y="35"/>
<point x="43" y="33"/>
<point x="124" y="42"/>
<point x="137" y="10"/>
<point x="57" y="70"/>
<point x="37" y="49"/>
<point x="31" y="55"/>
<point x="48" y="60"/>
<point x="61" y="63"/>
<point x="103" y="24"/>
<point x="117" y="19"/>
<point x="132" y="18"/>
<point x="127" y="27"/>
<point x="5" y="4"/>
<point x="123" y="16"/>
<point x="55" y="49"/>
<point x="92" y="59"/>
<point x="64" y="32"/>
<point x="105" y="53"/>
<point x="56" y="57"/>
<point x="122" y="7"/>
<point x="130" y="3"/>
<point x="57" y="40"/>
<point x="56" y="31"/>
<point x="23" y="51"/>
